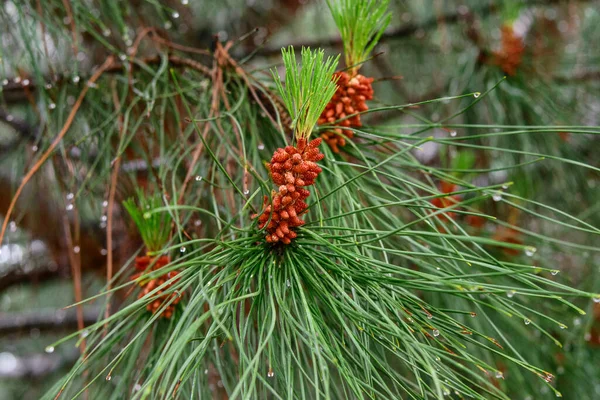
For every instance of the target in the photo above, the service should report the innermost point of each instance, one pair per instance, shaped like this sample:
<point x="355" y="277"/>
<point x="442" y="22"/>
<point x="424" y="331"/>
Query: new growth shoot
<point x="154" y="227"/>
<point x="308" y="88"/>
<point x="361" y="23"/>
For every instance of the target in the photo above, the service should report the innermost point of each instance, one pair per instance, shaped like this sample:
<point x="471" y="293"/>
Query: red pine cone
<point x="508" y="235"/>
<point x="349" y="98"/>
<point x="141" y="265"/>
<point x="510" y="55"/>
<point x="292" y="168"/>
<point x="448" y="201"/>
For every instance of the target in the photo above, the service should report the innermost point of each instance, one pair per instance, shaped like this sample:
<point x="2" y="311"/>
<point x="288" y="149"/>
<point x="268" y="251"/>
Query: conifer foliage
<point x="262" y="262"/>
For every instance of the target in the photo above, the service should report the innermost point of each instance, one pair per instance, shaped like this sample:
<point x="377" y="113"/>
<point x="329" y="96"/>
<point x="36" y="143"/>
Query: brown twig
<point x="67" y="5"/>
<point x="111" y="206"/>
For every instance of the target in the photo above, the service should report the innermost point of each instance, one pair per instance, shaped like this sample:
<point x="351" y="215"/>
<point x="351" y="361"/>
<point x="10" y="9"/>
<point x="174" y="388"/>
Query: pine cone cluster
<point x="141" y="265"/>
<point x="349" y="98"/>
<point x="510" y="55"/>
<point x="293" y="169"/>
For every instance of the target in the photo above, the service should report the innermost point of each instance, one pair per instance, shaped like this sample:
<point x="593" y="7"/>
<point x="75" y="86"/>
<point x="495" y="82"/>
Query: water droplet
<point x="103" y="252"/>
<point x="25" y="82"/>
<point x="473" y="315"/>
<point x="198" y="178"/>
<point x="106" y="32"/>
<point x="554" y="272"/>
<point x="497" y="196"/>
<point x="530" y="251"/>
<point x="70" y="196"/>
<point x="261" y="146"/>
<point x="429" y="316"/>
<point x="562" y="326"/>
<point x="122" y="57"/>
<point x="510" y="293"/>
<point x="175" y="15"/>
<point x="577" y="321"/>
<point x="9" y="118"/>
<point x="52" y="106"/>
<point x="108" y="377"/>
<point x="246" y="192"/>
<point x="597" y="299"/>
<point x="49" y="349"/>
<point x="13" y="226"/>
<point x="504" y="187"/>
<point x="499" y="375"/>
<point x="527" y="321"/>
<point x="105" y="203"/>
<point x="453" y="133"/>
<point x="147" y="215"/>
<point x="436" y="332"/>
<point x="76" y="79"/>
<point x="185" y="2"/>
<point x="76" y="249"/>
<point x="476" y="95"/>
<point x="137" y="387"/>
<point x="5" y="82"/>
<point x="288" y="283"/>
<point x="205" y="371"/>
<point x="558" y="394"/>
<point x="270" y="374"/>
<point x="17" y="79"/>
<point x="548" y="377"/>
<point x="182" y="249"/>
<point x="48" y="86"/>
<point x="69" y="207"/>
<point x="168" y="25"/>
<point x="587" y="337"/>
<point x="85" y="333"/>
<point x="34" y="148"/>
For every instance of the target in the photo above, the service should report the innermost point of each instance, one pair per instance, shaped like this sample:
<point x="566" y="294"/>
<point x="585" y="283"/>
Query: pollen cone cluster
<point x="510" y="55"/>
<point x="141" y="265"/>
<point x="350" y="98"/>
<point x="292" y="169"/>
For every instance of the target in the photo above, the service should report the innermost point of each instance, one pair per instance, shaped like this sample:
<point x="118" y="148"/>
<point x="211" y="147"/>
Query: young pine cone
<point x="293" y="169"/>
<point x="349" y="99"/>
<point x="141" y="265"/>
<point x="510" y="55"/>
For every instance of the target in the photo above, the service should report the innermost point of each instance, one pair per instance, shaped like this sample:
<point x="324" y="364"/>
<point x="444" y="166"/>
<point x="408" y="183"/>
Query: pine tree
<point x="282" y="230"/>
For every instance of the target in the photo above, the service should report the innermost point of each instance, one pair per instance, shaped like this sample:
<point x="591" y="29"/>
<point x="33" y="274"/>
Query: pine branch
<point x="18" y="275"/>
<point x="406" y="30"/>
<point x="36" y="366"/>
<point x="53" y="320"/>
<point x="16" y="89"/>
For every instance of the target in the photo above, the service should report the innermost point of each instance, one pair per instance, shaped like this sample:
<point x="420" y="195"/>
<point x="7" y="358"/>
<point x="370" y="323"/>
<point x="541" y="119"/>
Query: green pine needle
<point x="154" y="227"/>
<point x="307" y="89"/>
<point x="361" y="24"/>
